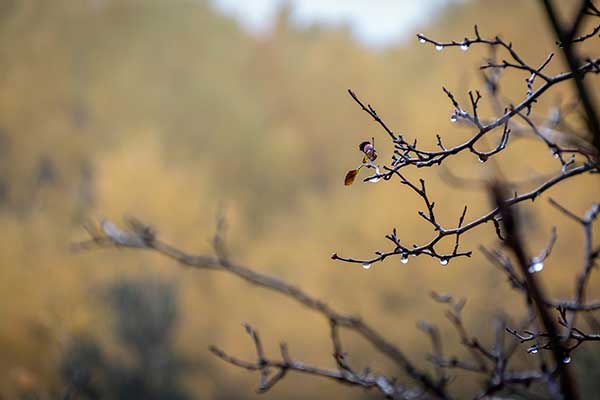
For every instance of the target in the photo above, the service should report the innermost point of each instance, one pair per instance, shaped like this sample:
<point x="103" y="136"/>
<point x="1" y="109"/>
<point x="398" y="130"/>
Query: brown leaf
<point x="350" y="176"/>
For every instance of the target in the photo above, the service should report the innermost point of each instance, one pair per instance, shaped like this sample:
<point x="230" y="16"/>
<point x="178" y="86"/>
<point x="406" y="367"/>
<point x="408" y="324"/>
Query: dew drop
<point x="535" y="266"/>
<point x="566" y="360"/>
<point x="533" y="349"/>
<point x="375" y="179"/>
<point x="404" y="258"/>
<point x="464" y="47"/>
<point x="421" y="40"/>
<point x="453" y="118"/>
<point x="439" y="47"/>
<point x="443" y="262"/>
<point x="367" y="265"/>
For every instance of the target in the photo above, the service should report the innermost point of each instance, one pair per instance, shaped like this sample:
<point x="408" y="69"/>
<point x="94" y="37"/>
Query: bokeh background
<point x="170" y="109"/>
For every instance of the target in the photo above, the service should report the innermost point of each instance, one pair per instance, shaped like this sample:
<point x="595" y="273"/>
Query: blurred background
<point x="169" y="109"/>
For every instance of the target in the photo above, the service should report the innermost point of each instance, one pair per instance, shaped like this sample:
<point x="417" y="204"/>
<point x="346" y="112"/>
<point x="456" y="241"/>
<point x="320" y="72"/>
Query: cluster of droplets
<point x="404" y="260"/>
<point x="535" y="349"/>
<point x="464" y="46"/>
<point x="536" y="265"/>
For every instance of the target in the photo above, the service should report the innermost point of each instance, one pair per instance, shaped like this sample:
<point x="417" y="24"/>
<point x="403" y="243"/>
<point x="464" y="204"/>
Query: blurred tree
<point x="146" y="313"/>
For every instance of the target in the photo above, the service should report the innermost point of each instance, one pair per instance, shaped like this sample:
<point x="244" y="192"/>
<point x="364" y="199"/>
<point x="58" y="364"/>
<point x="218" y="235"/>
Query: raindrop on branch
<point x="482" y="158"/>
<point x="376" y="178"/>
<point x="453" y="118"/>
<point x="404" y="258"/>
<point x="439" y="47"/>
<point x="422" y="40"/>
<point x="366" y="265"/>
<point x="536" y="265"/>
<point x="443" y="262"/>
<point x="464" y="47"/>
<point x="566" y="359"/>
<point x="533" y="349"/>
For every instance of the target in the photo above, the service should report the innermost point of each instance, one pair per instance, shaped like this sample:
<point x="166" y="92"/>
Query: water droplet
<point x="443" y="262"/>
<point x="566" y="360"/>
<point x="404" y="258"/>
<point x="482" y="158"/>
<point x="533" y="349"/>
<point x="439" y="47"/>
<point x="464" y="47"/>
<point x="536" y="265"/>
<point x="367" y="265"/>
<point x="421" y="40"/>
<point x="453" y="118"/>
<point x="555" y="154"/>
<point x="376" y="178"/>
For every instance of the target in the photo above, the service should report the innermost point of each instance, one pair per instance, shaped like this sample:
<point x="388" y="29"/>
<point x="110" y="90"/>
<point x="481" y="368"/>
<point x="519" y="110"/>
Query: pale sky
<point x="374" y="22"/>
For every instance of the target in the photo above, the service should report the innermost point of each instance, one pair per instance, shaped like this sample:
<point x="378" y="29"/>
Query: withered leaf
<point x="350" y="176"/>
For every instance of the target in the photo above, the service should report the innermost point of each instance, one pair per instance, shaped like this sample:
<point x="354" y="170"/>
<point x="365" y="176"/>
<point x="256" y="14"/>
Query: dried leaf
<point x="350" y="176"/>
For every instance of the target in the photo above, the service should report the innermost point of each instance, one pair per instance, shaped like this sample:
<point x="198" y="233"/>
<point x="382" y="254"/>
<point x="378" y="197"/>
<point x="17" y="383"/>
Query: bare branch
<point x="353" y="323"/>
<point x="513" y="241"/>
<point x="429" y="248"/>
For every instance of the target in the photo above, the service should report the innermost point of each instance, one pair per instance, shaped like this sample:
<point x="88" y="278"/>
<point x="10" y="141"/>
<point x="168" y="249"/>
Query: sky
<point x="376" y="23"/>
